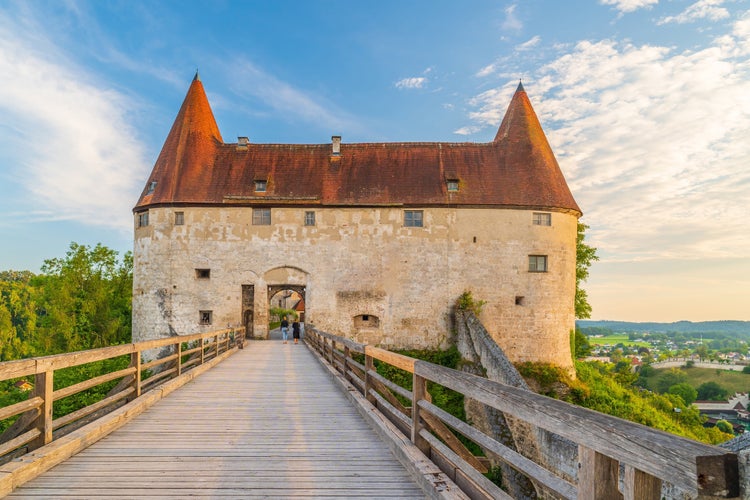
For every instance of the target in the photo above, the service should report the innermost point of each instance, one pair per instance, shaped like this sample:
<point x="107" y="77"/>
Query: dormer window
<point x="261" y="185"/>
<point x="452" y="185"/>
<point x="151" y="187"/>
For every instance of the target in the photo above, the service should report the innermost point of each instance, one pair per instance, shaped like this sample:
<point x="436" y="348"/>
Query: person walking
<point x="295" y="331"/>
<point x="284" y="328"/>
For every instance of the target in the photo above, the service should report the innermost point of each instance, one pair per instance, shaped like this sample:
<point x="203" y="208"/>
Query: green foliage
<point x="585" y="256"/>
<point x="597" y="387"/>
<point x="724" y="426"/>
<point x="277" y="313"/>
<point x="746" y="369"/>
<point x="80" y="301"/>
<point x="582" y="346"/>
<point x="466" y="302"/>
<point x="712" y="391"/>
<point x="672" y="377"/>
<point x="686" y="391"/>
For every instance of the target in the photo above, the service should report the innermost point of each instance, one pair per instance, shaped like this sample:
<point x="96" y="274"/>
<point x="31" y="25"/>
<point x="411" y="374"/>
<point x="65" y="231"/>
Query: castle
<point x="379" y="239"/>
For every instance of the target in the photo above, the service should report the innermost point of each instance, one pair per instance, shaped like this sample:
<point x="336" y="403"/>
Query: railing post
<point x="135" y="362"/>
<point x="203" y="349"/>
<point x="331" y="358"/>
<point x="346" y="363"/>
<point x="638" y="485"/>
<point x="418" y="393"/>
<point x="598" y="475"/>
<point x="369" y="366"/>
<point x="44" y="388"/>
<point x="216" y="348"/>
<point x="179" y="359"/>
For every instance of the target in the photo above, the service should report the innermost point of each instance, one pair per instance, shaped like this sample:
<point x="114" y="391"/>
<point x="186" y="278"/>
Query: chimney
<point x="336" y="143"/>
<point x="242" y="143"/>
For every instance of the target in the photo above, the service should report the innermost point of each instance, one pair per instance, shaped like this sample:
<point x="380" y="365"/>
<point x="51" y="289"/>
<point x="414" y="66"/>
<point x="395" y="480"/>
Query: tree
<point x="702" y="352"/>
<point x="687" y="392"/>
<point x="585" y="255"/>
<point x="670" y="378"/>
<point x="724" y="426"/>
<point x="711" y="391"/>
<point x="582" y="345"/>
<point x="84" y="300"/>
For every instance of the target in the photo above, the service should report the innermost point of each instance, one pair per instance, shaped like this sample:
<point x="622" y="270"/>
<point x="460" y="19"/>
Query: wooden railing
<point x="649" y="456"/>
<point x="35" y="425"/>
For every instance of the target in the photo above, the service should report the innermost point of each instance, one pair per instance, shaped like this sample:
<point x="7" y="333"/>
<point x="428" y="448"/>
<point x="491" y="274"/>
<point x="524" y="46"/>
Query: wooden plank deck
<point x="267" y="422"/>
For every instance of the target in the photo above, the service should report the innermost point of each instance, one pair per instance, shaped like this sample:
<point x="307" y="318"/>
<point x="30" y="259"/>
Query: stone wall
<point x="482" y="355"/>
<point x="361" y="262"/>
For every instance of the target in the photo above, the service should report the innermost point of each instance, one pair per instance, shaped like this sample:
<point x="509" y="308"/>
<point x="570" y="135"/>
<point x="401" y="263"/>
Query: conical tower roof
<point x="188" y="152"/>
<point x="527" y="157"/>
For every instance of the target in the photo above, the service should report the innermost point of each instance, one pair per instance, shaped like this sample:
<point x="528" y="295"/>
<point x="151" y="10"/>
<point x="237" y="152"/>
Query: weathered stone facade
<point x="348" y="247"/>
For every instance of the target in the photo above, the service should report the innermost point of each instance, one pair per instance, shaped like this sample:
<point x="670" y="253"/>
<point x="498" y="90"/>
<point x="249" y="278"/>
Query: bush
<point x="466" y="302"/>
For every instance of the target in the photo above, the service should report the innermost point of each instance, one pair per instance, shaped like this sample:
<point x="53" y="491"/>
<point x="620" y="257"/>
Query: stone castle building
<point x="379" y="239"/>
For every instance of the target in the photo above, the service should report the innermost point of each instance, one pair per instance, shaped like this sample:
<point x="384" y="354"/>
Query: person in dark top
<point x="284" y="328"/>
<point x="295" y="331"/>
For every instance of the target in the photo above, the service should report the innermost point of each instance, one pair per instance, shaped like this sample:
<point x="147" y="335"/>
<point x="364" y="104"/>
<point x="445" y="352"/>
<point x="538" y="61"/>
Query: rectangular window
<point x="151" y="187"/>
<point x="179" y="218"/>
<point x="261" y="186"/>
<point x="537" y="263"/>
<point x="542" y="219"/>
<point x="143" y="219"/>
<point x="203" y="274"/>
<point x="452" y="185"/>
<point x="261" y="216"/>
<point x="205" y="317"/>
<point x="413" y="218"/>
<point x="309" y="218"/>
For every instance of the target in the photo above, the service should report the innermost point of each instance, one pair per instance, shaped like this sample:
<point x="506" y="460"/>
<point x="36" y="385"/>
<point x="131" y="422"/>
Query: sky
<point x="646" y="104"/>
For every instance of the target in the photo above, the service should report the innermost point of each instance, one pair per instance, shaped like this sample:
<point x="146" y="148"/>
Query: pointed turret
<point x="187" y="151"/>
<point x="527" y="156"/>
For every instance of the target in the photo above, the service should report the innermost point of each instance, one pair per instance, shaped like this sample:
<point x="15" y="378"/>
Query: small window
<point x="261" y="216"/>
<point x="413" y="218"/>
<point x="309" y="218"/>
<point x="143" y="219"/>
<point x="366" y="321"/>
<point x="519" y="300"/>
<point x="452" y="185"/>
<point x="203" y="274"/>
<point x="205" y="317"/>
<point x="537" y="263"/>
<point x="179" y="218"/>
<point x="261" y="186"/>
<point x="542" y="219"/>
<point x="151" y="187"/>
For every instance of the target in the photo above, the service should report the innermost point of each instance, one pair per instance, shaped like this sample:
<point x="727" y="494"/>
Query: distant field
<point x="616" y="339"/>
<point x="733" y="381"/>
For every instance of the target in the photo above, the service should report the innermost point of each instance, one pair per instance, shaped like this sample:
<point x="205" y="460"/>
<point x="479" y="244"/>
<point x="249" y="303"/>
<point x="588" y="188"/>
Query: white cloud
<point x="486" y="71"/>
<point x="652" y="142"/>
<point x="511" y="22"/>
<point x="629" y="5"/>
<point x="73" y="149"/>
<point x="468" y="130"/>
<point x="703" y="9"/>
<point x="250" y="80"/>
<point x="530" y="44"/>
<point x="411" y="83"/>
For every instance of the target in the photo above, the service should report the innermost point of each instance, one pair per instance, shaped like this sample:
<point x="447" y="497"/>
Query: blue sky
<point x="646" y="104"/>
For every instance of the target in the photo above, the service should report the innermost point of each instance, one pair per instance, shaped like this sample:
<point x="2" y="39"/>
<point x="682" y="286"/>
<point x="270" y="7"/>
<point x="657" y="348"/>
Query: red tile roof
<point x="516" y="170"/>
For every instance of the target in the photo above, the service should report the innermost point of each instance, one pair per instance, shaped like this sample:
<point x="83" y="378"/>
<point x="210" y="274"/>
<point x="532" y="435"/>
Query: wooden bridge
<point x="213" y="420"/>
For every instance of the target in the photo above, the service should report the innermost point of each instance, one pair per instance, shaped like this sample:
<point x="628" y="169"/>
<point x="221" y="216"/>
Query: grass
<point x="733" y="381"/>
<point x="617" y="339"/>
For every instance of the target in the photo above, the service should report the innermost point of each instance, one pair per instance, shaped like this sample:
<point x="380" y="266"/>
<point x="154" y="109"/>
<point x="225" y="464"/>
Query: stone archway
<point x="299" y="289"/>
